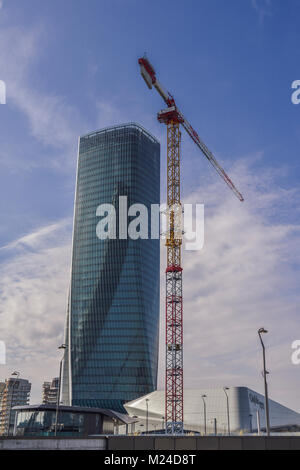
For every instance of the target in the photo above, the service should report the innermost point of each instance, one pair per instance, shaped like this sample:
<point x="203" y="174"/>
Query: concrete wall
<point x="164" y="443"/>
<point x="53" y="443"/>
<point x="203" y="443"/>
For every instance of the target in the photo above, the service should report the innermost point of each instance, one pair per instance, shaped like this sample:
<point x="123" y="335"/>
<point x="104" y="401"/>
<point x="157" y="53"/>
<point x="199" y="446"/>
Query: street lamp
<point x="62" y="346"/>
<point x="258" y="422"/>
<point x="227" y="401"/>
<point x="163" y="424"/>
<point x="147" y="414"/>
<point x="265" y="372"/>
<point x="215" y="426"/>
<point x="133" y="424"/>
<point x="250" y="423"/>
<point x="204" y="407"/>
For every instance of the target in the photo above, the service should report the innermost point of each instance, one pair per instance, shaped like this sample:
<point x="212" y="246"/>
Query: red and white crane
<point x="172" y="117"/>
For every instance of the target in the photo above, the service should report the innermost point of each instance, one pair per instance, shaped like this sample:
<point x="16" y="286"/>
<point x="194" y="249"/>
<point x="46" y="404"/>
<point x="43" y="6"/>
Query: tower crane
<point x="173" y="118"/>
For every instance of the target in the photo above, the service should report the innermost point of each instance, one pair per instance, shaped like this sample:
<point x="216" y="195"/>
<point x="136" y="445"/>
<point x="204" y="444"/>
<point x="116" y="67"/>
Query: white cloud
<point x="247" y="276"/>
<point x="263" y="8"/>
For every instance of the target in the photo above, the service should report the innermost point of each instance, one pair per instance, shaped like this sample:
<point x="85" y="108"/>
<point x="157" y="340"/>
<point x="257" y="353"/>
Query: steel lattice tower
<point x="172" y="117"/>
<point x="174" y="310"/>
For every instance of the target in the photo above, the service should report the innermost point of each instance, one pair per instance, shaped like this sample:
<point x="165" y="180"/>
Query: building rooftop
<point x="133" y="125"/>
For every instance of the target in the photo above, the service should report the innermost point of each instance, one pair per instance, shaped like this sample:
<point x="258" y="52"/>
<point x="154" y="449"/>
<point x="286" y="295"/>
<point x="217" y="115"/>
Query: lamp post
<point x="215" y="426"/>
<point x="141" y="425"/>
<point x="204" y="409"/>
<point x="133" y="424"/>
<point x="258" y="422"/>
<point x="265" y="372"/>
<point x="163" y="424"/>
<point x="250" y="423"/>
<point x="147" y="414"/>
<point x="227" y="402"/>
<point x="62" y="346"/>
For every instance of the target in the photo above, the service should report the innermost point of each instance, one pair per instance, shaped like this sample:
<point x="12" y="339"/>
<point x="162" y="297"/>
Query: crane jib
<point x="207" y="153"/>
<point x="149" y="75"/>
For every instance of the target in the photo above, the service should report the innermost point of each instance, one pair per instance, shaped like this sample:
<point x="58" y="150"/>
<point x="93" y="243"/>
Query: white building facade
<point x="208" y="409"/>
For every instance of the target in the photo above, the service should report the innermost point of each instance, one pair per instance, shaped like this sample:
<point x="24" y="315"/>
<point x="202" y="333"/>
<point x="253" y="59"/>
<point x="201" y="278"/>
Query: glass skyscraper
<point x="113" y="309"/>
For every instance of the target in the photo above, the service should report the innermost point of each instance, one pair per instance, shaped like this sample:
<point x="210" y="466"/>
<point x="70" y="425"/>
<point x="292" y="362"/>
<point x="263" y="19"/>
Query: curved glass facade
<point x="113" y="311"/>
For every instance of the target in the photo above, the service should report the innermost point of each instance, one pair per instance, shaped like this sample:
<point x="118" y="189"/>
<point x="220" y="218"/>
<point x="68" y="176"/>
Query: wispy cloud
<point x="35" y="239"/>
<point x="263" y="9"/>
<point x="52" y="121"/>
<point x="110" y="112"/>
<point x="33" y="291"/>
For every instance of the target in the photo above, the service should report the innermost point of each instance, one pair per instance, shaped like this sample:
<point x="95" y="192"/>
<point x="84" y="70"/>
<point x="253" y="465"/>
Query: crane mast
<point x="174" y="307"/>
<point x="173" y="118"/>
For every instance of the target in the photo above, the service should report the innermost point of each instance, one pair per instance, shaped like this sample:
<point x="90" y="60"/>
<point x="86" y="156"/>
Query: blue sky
<point x="71" y="67"/>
